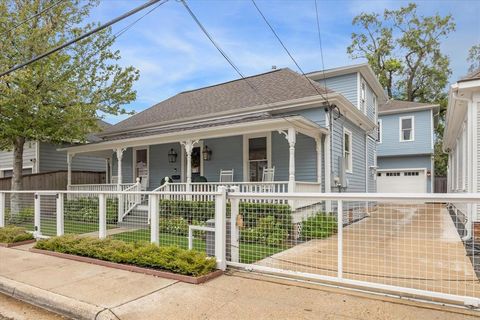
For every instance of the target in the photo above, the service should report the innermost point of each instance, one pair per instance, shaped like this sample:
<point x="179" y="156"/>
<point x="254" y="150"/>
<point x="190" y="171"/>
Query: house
<point x="460" y="142"/>
<point x="405" y="146"/>
<point x="40" y="157"/>
<point x="315" y="132"/>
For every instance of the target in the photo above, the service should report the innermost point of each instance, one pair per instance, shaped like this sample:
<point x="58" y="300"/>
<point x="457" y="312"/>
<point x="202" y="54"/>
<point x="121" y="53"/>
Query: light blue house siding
<point x="346" y="84"/>
<point x="160" y="167"/>
<point x="423" y="135"/>
<point x="372" y="161"/>
<point x="408" y="162"/>
<point x="51" y="160"/>
<point x="227" y="153"/>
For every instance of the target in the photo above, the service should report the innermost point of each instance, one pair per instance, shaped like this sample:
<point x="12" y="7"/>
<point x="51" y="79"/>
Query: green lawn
<point x="248" y="252"/>
<point x="48" y="226"/>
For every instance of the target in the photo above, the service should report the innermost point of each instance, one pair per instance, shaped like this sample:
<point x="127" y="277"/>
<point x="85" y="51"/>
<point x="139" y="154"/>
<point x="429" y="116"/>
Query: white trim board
<point x="246" y="137"/>
<point x="400" y="129"/>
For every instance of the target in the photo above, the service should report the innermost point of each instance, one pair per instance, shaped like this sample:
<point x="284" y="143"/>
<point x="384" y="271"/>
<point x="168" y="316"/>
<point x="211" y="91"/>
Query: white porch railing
<point x="131" y="198"/>
<point x="109" y="187"/>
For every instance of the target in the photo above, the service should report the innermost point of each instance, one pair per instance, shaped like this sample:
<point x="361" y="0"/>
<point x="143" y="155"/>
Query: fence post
<point x="234" y="232"/>
<point x="340" y="239"/>
<point x="220" y="227"/>
<point x="121" y="204"/>
<point x="153" y="208"/>
<point x="2" y="209"/>
<point x="60" y="215"/>
<point x="102" y="216"/>
<point x="36" y="216"/>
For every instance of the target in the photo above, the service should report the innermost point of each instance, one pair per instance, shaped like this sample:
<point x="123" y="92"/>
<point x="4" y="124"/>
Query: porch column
<point x="326" y="147"/>
<point x="119" y="153"/>
<point x="318" y="144"/>
<point x="188" y="145"/>
<point x="69" y="168"/>
<point x="291" y="137"/>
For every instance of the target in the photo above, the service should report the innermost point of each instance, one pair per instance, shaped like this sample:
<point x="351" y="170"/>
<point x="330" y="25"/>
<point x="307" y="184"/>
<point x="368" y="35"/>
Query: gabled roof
<point x="229" y="97"/>
<point x="94" y="137"/>
<point x="398" y="106"/>
<point x="474" y="75"/>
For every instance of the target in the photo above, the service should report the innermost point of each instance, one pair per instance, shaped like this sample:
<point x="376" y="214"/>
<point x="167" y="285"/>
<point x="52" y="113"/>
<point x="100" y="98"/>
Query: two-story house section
<point x="405" y="147"/>
<point x="359" y="85"/>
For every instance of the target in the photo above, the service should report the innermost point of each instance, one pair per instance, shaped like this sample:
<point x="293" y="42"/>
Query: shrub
<point x="319" y="226"/>
<point x="25" y="215"/>
<point x="13" y="234"/>
<point x="86" y="210"/>
<point x="267" y="231"/>
<point x="143" y="254"/>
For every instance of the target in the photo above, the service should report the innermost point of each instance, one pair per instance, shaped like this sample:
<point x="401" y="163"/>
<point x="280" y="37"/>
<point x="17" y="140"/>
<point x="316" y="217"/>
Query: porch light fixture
<point x="172" y="156"/>
<point x="207" y="154"/>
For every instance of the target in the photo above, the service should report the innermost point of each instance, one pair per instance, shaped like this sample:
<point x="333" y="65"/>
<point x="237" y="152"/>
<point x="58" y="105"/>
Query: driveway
<point x="414" y="246"/>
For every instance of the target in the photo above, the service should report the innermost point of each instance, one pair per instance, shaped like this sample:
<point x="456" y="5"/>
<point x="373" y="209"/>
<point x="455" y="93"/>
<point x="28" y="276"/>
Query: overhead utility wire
<point x="32" y="17"/>
<point x="83" y="36"/>
<point x="321" y="47"/>
<point x="287" y="51"/>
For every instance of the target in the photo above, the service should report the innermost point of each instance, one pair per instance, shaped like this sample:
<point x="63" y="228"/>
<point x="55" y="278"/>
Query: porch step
<point x="141" y="207"/>
<point x="137" y="218"/>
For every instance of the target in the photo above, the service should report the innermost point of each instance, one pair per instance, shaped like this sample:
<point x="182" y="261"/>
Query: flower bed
<point x="169" y="262"/>
<point x="14" y="236"/>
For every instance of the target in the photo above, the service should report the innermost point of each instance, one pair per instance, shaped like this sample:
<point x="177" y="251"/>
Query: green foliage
<point x="474" y="58"/>
<point x="57" y="99"/>
<point x="86" y="210"/>
<point x="24" y="215"/>
<point x="143" y="254"/>
<point x="268" y="231"/>
<point x="13" y="234"/>
<point x="188" y="210"/>
<point x="319" y="226"/>
<point x="403" y="50"/>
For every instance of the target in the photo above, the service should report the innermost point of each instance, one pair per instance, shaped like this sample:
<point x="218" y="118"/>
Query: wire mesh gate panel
<point x="398" y="246"/>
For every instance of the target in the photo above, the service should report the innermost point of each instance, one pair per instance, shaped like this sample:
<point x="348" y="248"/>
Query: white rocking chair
<point x="268" y="175"/>
<point x="226" y="176"/>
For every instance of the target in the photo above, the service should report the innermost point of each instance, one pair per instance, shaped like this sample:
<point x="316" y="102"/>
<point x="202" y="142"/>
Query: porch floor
<point x="415" y="246"/>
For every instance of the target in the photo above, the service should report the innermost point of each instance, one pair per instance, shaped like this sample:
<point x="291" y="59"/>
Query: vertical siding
<point x="356" y="179"/>
<point x="6" y="157"/>
<point x="227" y="153"/>
<point x="52" y="160"/>
<point x="391" y="144"/>
<point x="346" y="84"/>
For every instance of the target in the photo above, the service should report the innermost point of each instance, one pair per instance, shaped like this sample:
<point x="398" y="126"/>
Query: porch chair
<point x="226" y="176"/>
<point x="268" y="175"/>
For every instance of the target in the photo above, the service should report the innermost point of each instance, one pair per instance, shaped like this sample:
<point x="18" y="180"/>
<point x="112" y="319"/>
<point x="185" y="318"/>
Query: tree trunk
<point x="18" y="145"/>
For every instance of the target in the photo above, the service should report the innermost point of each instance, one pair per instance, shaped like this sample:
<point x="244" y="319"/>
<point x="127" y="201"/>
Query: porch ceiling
<point x="218" y="128"/>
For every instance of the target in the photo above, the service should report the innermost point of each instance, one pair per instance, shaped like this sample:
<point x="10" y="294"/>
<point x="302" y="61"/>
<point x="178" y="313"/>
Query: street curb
<point x="54" y="302"/>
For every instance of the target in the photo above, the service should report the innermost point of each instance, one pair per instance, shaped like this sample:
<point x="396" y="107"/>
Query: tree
<point x="474" y="58"/>
<point x="60" y="98"/>
<point x="403" y="50"/>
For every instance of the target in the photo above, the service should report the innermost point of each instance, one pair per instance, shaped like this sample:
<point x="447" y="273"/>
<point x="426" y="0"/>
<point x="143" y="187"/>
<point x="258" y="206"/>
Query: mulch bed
<point x="127" y="267"/>
<point x="15" y="244"/>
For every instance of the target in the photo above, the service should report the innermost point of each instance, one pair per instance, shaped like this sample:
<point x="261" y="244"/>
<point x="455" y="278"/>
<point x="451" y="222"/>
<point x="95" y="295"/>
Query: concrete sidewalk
<point x="85" y="291"/>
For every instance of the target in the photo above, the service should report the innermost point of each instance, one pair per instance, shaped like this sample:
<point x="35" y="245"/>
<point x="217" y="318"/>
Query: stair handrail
<point x="164" y="187"/>
<point x="132" y="200"/>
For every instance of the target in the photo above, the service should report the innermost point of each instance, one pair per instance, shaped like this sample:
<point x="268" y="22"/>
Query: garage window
<point x="406" y="129"/>
<point x="347" y="150"/>
<point x="411" y="173"/>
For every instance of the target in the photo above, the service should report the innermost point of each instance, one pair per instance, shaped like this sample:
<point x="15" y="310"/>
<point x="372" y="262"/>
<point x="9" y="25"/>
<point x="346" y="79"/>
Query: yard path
<point x="109" y="232"/>
<point x="236" y="295"/>
<point x="414" y="246"/>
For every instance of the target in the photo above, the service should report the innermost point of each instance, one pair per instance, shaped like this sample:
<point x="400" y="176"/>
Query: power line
<point x="287" y="51"/>
<point x="32" y="17"/>
<point x="85" y="35"/>
<point x="321" y="48"/>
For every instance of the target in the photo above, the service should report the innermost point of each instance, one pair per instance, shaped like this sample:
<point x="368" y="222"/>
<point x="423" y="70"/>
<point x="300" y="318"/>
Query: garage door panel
<point x="401" y="181"/>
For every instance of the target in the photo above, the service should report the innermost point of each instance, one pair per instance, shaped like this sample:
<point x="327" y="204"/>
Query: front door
<point x="141" y="166"/>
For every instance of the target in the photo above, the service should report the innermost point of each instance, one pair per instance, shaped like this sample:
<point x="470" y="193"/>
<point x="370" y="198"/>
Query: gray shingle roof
<point x="474" y="75"/>
<point x="274" y="86"/>
<point x="397" y="106"/>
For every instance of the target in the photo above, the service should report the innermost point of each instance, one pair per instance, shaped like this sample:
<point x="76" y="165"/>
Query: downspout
<point x="468" y="228"/>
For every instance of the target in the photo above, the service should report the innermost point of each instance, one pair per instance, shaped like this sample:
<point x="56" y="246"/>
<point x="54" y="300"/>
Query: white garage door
<point x="397" y="181"/>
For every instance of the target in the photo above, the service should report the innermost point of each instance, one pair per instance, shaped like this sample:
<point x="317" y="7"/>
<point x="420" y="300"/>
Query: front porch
<point x="294" y="148"/>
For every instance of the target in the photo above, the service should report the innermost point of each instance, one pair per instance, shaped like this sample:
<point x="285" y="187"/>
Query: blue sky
<point x="173" y="55"/>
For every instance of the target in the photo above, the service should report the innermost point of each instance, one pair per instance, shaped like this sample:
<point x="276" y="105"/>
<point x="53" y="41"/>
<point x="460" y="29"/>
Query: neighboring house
<point x="272" y="120"/>
<point x="460" y="141"/>
<point x="40" y="157"/>
<point x="405" y="146"/>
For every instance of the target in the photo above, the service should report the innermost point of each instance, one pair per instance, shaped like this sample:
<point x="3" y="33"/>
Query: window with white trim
<point x="375" y="105"/>
<point x="379" y="131"/>
<point x="347" y="150"/>
<point x="363" y="95"/>
<point x="407" y="131"/>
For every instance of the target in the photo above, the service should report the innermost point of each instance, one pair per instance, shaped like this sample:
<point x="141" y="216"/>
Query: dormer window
<point x="363" y="96"/>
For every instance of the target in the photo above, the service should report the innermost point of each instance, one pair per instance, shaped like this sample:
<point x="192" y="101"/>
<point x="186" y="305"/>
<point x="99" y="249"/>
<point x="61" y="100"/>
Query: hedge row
<point x="11" y="234"/>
